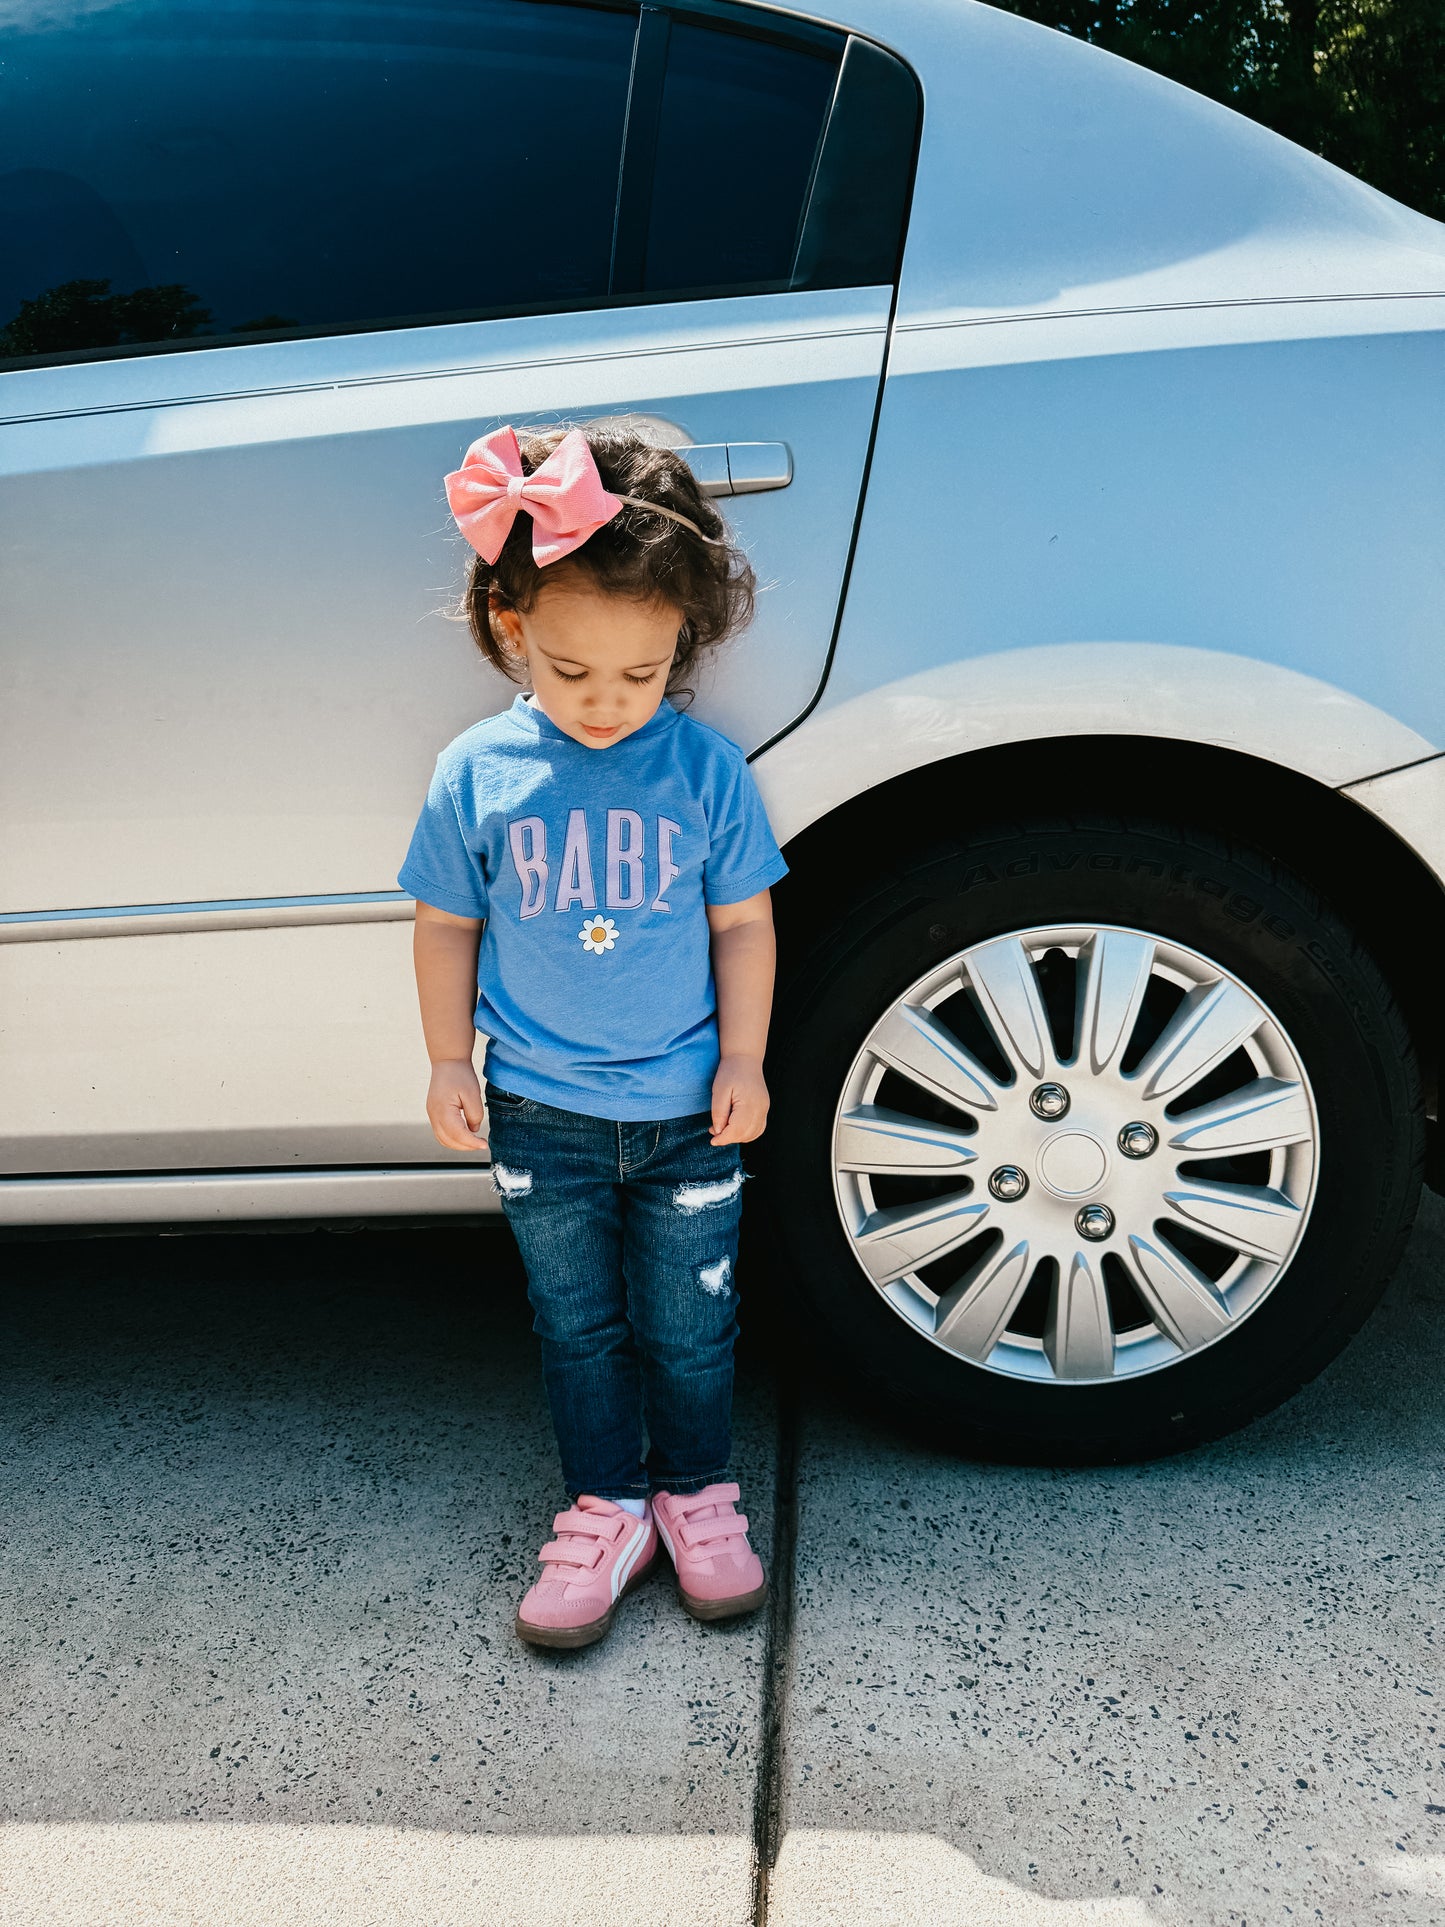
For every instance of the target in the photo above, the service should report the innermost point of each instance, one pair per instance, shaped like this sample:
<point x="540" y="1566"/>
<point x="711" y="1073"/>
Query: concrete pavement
<point x="1207" y="1690"/>
<point x="267" y="1505"/>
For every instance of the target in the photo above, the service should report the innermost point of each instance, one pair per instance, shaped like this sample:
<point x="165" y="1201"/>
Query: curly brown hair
<point x="637" y="555"/>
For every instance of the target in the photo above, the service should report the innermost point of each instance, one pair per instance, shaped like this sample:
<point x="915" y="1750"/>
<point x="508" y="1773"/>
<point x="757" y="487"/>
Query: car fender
<point x="1411" y="802"/>
<point x="1079" y="689"/>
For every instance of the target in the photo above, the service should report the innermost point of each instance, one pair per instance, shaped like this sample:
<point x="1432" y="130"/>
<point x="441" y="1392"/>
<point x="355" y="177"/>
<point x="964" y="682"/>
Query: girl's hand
<point x="454" y="1105"/>
<point x="742" y="963"/>
<point x="739" y="1101"/>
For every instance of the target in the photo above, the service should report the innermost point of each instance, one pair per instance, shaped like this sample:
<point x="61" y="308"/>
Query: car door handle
<point x="739" y="468"/>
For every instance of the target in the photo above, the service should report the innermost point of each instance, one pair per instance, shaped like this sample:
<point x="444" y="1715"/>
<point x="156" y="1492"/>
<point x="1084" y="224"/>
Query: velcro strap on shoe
<point x="554" y="1553"/>
<point x="707" y="1532"/>
<point x="590" y="1525"/>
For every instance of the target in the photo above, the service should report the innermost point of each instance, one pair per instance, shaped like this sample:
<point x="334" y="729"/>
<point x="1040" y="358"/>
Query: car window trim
<point x="644" y="118"/>
<point x="637" y="161"/>
<point x="444" y="371"/>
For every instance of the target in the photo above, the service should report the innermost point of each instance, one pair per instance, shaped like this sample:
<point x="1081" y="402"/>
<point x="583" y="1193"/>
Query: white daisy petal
<point x="598" y="934"/>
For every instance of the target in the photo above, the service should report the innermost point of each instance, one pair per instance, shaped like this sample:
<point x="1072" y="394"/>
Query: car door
<point x="271" y="269"/>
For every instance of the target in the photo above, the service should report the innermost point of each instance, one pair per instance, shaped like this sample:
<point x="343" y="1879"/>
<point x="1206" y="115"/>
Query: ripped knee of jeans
<point x="692" y="1198"/>
<point x="510" y="1183"/>
<point x="714" y="1278"/>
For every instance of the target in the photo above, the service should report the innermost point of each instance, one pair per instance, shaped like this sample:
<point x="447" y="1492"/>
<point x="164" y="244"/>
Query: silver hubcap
<point x="1075" y="1154"/>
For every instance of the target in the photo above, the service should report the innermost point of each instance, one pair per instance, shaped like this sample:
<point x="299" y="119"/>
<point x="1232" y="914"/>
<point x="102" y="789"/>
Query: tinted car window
<point x="185" y="173"/>
<point x="737" y="139"/>
<point x="858" y="209"/>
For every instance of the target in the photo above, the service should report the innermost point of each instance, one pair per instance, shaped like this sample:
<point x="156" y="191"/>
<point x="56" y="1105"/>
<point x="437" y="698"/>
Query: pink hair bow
<point x="563" y="495"/>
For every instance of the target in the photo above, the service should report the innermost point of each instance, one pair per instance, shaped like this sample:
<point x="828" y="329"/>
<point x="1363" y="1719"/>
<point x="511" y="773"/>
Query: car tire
<point x="1267" y="936"/>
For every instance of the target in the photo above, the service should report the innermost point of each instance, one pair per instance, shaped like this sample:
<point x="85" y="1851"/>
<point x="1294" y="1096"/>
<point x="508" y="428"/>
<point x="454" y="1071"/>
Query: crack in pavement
<point x="768" y="1800"/>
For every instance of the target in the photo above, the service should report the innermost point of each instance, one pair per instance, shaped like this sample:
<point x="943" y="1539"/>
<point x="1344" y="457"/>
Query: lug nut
<point x="1095" y="1221"/>
<point x="1008" y="1183"/>
<point x="1050" y="1101"/>
<point x="1138" y="1140"/>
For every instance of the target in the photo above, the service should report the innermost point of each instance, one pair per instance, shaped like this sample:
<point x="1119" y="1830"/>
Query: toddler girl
<point x="592" y="871"/>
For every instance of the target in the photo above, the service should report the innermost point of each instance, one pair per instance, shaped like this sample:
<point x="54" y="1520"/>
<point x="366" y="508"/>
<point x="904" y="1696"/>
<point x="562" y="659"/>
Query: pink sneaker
<point x="718" y="1573"/>
<point x="599" y="1553"/>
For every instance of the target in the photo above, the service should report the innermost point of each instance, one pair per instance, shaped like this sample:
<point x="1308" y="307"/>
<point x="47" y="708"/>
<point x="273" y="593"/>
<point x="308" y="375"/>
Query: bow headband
<point x="563" y="495"/>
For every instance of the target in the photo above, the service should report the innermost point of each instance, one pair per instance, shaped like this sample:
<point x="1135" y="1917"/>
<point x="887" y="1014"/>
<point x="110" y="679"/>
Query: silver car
<point x="1090" y="442"/>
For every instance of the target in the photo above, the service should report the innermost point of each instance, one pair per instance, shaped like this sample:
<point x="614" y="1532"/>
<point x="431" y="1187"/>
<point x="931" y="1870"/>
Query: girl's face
<point x="598" y="664"/>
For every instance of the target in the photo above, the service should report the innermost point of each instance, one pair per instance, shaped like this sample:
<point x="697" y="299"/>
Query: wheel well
<point x="1352" y="859"/>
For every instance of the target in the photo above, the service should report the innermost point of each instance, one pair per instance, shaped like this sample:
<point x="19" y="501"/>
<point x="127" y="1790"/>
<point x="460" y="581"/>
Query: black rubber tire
<point x="1239" y="909"/>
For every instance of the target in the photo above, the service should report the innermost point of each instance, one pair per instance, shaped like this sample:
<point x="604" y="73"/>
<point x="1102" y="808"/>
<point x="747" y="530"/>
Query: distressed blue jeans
<point x="629" y="1233"/>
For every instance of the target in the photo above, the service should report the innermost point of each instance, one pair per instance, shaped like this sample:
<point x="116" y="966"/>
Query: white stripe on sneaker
<point x="629" y="1559"/>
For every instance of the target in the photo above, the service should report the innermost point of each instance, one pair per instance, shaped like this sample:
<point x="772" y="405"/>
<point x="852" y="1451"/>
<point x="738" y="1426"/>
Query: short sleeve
<point x="441" y="868"/>
<point x="743" y="856"/>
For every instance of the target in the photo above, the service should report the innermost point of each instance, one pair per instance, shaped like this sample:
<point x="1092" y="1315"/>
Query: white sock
<point x="637" y="1507"/>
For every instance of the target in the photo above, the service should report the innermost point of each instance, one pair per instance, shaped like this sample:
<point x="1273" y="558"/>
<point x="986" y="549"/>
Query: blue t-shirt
<point x="592" y="868"/>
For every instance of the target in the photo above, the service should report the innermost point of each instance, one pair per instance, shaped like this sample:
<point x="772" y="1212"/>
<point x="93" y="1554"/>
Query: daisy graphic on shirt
<point x="598" y="934"/>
